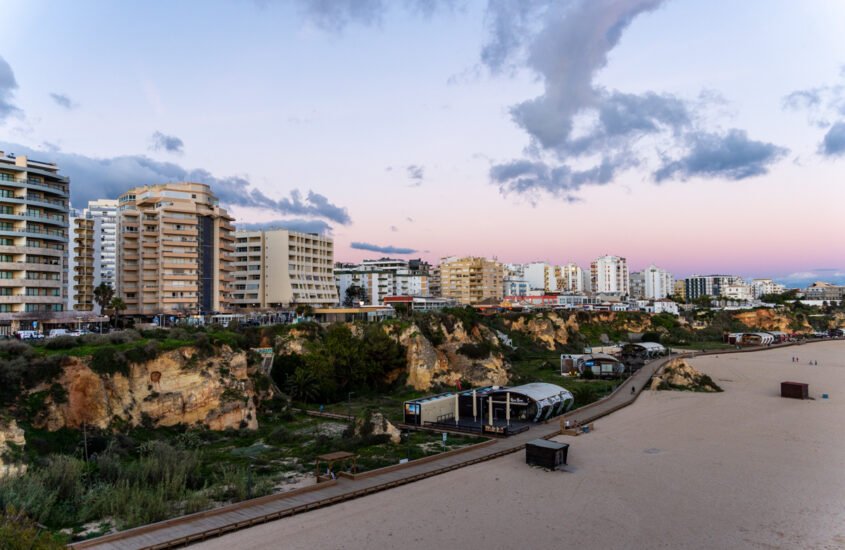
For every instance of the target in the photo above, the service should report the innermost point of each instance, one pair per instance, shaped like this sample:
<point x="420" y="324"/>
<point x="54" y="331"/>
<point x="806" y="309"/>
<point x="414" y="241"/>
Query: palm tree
<point x="117" y="304"/>
<point x="103" y="295"/>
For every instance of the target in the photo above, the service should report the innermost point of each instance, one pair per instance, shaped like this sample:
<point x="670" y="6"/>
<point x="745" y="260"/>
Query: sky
<point x="703" y="137"/>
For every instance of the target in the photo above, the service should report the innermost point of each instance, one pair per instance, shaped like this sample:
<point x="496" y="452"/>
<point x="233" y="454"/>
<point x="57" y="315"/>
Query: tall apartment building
<point x="708" y="285"/>
<point x="658" y="283"/>
<point x="680" y="289"/>
<point x="33" y="242"/>
<point x="280" y="268"/>
<point x="609" y="274"/>
<point x="571" y="278"/>
<point x="175" y="246"/>
<point x="761" y="287"/>
<point x="637" y="285"/>
<point x="94" y="255"/>
<point x="384" y="277"/>
<point x="471" y="280"/>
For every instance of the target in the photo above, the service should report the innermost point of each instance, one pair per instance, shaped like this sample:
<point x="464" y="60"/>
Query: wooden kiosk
<point x="345" y="458"/>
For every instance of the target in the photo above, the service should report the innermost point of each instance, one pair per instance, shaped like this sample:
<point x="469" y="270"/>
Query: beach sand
<point x="740" y="469"/>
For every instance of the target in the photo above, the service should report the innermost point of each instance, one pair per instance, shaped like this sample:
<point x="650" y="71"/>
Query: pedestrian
<point x="633" y="390"/>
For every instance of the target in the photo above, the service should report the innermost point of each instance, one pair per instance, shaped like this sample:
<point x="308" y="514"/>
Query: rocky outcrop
<point x="771" y="319"/>
<point x="429" y="365"/>
<point x="11" y="439"/>
<point x="177" y="387"/>
<point x="377" y="424"/>
<point x="551" y="329"/>
<point x="680" y="375"/>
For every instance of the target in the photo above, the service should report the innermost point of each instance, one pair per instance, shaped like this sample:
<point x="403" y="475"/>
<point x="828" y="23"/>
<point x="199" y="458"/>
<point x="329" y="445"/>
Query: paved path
<point x="196" y="527"/>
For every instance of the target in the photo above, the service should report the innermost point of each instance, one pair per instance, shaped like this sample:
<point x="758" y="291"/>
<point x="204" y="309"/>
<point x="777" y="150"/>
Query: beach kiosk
<point x="546" y="454"/>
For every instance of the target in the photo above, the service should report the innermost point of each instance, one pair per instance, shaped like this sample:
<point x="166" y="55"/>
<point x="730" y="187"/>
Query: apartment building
<point x="761" y="287"/>
<point x="657" y="283"/>
<point x="571" y="278"/>
<point x="384" y="277"/>
<point x="33" y="242"/>
<point x="175" y="246"/>
<point x="94" y="254"/>
<point x="609" y="275"/>
<point x="278" y="268"/>
<point x="708" y="285"/>
<point x="471" y="280"/>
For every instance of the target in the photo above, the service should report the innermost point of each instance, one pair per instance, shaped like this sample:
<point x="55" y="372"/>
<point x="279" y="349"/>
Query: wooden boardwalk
<point x="196" y="527"/>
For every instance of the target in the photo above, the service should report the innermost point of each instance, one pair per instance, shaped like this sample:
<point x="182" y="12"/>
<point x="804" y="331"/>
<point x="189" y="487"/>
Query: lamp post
<point x="349" y="404"/>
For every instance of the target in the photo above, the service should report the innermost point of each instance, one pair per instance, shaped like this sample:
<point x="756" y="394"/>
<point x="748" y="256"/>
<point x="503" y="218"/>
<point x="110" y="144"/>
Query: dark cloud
<point x="303" y="226"/>
<point x="416" y="174"/>
<point x="62" y="100"/>
<point x="731" y="156"/>
<point x="833" y="144"/>
<point x="803" y="99"/>
<point x="584" y="134"/>
<point x="530" y="177"/>
<point x="382" y="249"/>
<point x="8" y="85"/>
<point x="96" y="178"/>
<point x="394" y="229"/>
<point x="164" y="142"/>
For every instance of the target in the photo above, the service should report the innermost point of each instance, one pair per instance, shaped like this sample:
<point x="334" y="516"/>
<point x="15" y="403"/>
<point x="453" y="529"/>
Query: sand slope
<point x="739" y="469"/>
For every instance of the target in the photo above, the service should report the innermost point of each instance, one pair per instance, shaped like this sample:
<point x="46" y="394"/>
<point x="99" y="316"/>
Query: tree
<point x="18" y="532"/>
<point x="354" y="295"/>
<point x="103" y="295"/>
<point x="304" y="310"/>
<point x="117" y="305"/>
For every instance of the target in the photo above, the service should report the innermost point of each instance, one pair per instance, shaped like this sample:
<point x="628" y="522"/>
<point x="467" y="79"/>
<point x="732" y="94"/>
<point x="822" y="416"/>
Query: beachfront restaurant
<point x="601" y="365"/>
<point x="490" y="407"/>
<point x="643" y="350"/>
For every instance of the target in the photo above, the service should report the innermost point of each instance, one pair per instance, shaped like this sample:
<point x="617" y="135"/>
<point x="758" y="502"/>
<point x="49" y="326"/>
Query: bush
<point x="481" y="350"/>
<point x="109" y="361"/>
<point x="18" y="532"/>
<point x="62" y="342"/>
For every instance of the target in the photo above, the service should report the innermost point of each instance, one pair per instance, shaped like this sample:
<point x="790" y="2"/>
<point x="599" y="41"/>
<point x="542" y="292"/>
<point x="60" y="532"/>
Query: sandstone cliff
<point x="178" y="387"/>
<point x="770" y="319"/>
<point x="552" y="329"/>
<point x="429" y="365"/>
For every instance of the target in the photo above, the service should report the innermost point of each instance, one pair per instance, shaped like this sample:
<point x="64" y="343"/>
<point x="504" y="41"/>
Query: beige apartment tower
<point x="33" y="243"/>
<point x="471" y="280"/>
<point x="279" y="268"/>
<point x="175" y="247"/>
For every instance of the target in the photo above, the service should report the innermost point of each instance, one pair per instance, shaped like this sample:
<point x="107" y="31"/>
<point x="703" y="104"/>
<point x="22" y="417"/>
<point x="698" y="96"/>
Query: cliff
<point x="177" y="387"/>
<point x="770" y="319"/>
<point x="444" y="364"/>
<point x="552" y="330"/>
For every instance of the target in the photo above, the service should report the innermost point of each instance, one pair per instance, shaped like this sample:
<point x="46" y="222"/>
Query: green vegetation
<point x="18" y="532"/>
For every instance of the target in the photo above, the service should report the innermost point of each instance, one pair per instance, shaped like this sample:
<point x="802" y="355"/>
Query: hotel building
<point x="609" y="274"/>
<point x="33" y="242"/>
<point x="279" y="268"/>
<point x="175" y="246"/>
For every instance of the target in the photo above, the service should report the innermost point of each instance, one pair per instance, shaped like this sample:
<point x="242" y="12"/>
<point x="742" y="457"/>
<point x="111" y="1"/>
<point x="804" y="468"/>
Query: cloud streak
<point x="163" y="142"/>
<point x="416" y="174"/>
<point x="301" y="225"/>
<point x="388" y="249"/>
<point x="63" y="101"/>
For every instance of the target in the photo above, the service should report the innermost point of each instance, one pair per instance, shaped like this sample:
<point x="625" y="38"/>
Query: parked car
<point x="29" y="335"/>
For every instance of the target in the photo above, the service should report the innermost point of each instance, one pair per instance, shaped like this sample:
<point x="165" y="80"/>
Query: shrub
<point x="109" y="361"/>
<point x="481" y="350"/>
<point x="62" y="342"/>
<point x="19" y="532"/>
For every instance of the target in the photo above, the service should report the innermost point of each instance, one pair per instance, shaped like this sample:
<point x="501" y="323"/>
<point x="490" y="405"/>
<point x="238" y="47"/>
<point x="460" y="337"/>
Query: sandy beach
<point x="740" y="469"/>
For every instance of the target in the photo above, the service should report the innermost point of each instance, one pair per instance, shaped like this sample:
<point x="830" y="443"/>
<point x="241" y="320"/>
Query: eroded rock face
<point x="680" y="375"/>
<point x="551" y="329"/>
<point x="10" y="436"/>
<point x="770" y="319"/>
<point x="429" y="365"/>
<point x="381" y="425"/>
<point x="175" y="388"/>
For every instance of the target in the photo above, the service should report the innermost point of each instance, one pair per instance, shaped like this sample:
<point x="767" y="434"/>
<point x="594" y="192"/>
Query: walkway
<point x="197" y="527"/>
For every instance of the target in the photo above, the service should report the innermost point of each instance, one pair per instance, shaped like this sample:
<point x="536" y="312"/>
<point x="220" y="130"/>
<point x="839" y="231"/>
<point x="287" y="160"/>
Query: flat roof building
<point x="174" y="250"/>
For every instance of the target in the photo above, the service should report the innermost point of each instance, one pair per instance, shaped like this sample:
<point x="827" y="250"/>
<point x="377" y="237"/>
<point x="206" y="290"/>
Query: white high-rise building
<point x="384" y="277"/>
<point x="609" y="274"/>
<point x="761" y="287"/>
<point x="658" y="283"/>
<point x="94" y="254"/>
